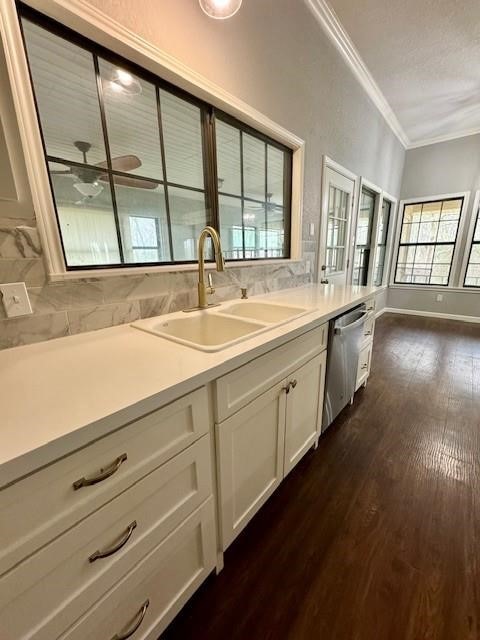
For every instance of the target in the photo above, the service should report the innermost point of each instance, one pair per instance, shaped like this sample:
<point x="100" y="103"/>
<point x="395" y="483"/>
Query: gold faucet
<point x="203" y="289"/>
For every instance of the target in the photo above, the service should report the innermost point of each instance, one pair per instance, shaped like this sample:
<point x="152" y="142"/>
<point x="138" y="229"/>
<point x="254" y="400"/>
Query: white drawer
<point x="38" y="508"/>
<point x="363" y="369"/>
<point x="46" y="593"/>
<point x="164" y="580"/>
<point x="238" y="388"/>
<point x="369" y="327"/>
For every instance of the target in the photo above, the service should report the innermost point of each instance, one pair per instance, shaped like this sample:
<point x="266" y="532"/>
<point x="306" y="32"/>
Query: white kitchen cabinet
<point x="304" y="410"/>
<point x="250" y="450"/>
<point x="363" y="369"/>
<point x="262" y="442"/>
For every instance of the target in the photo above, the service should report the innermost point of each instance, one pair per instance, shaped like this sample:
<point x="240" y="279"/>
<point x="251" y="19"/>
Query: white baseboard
<point x="380" y="312"/>
<point x="429" y="314"/>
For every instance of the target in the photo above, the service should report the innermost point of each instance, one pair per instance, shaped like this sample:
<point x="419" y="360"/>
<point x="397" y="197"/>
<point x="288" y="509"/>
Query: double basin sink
<point x="214" y="330"/>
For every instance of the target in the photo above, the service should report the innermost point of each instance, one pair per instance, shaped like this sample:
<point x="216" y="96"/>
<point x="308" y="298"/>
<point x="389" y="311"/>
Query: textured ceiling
<point x="425" y="57"/>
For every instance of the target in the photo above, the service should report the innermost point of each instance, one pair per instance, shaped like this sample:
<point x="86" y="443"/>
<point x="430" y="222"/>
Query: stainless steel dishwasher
<point x="344" y="340"/>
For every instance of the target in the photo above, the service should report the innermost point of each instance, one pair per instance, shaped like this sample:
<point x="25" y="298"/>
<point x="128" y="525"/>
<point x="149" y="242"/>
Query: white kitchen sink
<point x="205" y="330"/>
<point x="264" y="311"/>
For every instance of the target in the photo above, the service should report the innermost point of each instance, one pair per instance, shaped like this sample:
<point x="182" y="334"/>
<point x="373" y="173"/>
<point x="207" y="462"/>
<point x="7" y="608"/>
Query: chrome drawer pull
<point x="140" y="615"/>
<point x="109" y="552"/>
<point x="103" y="474"/>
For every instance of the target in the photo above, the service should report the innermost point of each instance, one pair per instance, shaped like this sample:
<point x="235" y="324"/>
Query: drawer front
<point x="48" y="591"/>
<point x="363" y="364"/>
<point x="238" y="388"/>
<point x="152" y="594"/>
<point x="369" y="327"/>
<point x="35" y="510"/>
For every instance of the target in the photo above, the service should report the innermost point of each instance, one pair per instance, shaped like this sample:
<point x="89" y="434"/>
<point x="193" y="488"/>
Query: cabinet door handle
<point x="121" y="543"/>
<point x="368" y="333"/>
<point x="294" y="384"/>
<point x="286" y="388"/>
<point x="364" y="366"/>
<point x="137" y="621"/>
<point x="103" y="474"/>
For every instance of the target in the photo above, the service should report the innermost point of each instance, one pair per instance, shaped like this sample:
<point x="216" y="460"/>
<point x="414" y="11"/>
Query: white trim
<point x="364" y="183"/>
<point x="454" y="268"/>
<point x="329" y="163"/>
<point x="445" y="138"/>
<point x="329" y="21"/>
<point x="432" y="314"/>
<point x="98" y="26"/>
<point x="468" y="243"/>
<point x="434" y="287"/>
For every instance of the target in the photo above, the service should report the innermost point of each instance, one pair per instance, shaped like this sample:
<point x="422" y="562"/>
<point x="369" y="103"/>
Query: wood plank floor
<point x="376" y="535"/>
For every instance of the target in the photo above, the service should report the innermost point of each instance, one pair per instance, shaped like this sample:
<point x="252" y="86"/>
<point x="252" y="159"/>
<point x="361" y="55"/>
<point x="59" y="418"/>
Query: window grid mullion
<point x="103" y="120"/>
<point x="164" y="172"/>
<point x="242" y="190"/>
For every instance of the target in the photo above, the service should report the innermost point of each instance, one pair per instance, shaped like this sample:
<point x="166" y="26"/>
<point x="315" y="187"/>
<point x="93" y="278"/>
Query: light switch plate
<point x="15" y="299"/>
<point x="312" y="228"/>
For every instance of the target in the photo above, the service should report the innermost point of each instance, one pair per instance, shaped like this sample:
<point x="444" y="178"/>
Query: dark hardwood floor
<point x="376" y="535"/>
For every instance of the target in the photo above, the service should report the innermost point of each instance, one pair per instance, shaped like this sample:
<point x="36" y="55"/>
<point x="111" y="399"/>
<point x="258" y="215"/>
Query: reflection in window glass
<point x="363" y="237"/>
<point x="132" y="122"/>
<point x="338" y="207"/>
<point x="87" y="222"/>
<point x="472" y="276"/>
<point x="427" y="242"/>
<point x="132" y="162"/>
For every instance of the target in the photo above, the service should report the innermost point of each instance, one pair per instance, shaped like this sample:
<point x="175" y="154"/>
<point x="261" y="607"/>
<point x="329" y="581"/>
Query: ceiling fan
<point x="88" y="182"/>
<point x="271" y="208"/>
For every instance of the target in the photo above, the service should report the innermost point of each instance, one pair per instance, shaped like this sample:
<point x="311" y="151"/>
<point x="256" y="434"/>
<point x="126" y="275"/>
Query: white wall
<point x="446" y="167"/>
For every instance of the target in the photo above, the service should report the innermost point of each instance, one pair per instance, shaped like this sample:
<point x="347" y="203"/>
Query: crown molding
<point x="446" y="138"/>
<point x="330" y="23"/>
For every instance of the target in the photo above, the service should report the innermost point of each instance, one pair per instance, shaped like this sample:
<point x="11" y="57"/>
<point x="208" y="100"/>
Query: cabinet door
<point x="363" y="369"/>
<point x="250" y="447"/>
<point x="304" y="409"/>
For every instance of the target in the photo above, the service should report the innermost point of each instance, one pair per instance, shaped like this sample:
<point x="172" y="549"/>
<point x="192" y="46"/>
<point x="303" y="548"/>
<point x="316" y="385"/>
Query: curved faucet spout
<point x="203" y="289"/>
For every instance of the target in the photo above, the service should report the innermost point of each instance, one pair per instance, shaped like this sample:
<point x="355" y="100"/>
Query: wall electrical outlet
<point x="15" y="299"/>
<point x="439" y="297"/>
<point x="312" y="228"/>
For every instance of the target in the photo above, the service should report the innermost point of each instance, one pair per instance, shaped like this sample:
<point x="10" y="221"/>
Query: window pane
<point x="336" y="229"/>
<point x="256" y="238"/>
<point x="435" y="223"/>
<point x="188" y="217"/>
<point x="275" y="169"/>
<point x="87" y="222"/>
<point x="363" y="237"/>
<point x="228" y="158"/>
<point x="231" y="232"/>
<point x="275" y="236"/>
<point x="182" y="132"/>
<point x="143" y="220"/>
<point x="473" y="272"/>
<point x="132" y="122"/>
<point x="66" y="93"/>
<point x="253" y="167"/>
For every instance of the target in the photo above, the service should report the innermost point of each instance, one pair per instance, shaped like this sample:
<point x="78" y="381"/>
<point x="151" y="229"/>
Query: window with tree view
<point x="472" y="276"/>
<point x="427" y="242"/>
<point x="138" y="167"/>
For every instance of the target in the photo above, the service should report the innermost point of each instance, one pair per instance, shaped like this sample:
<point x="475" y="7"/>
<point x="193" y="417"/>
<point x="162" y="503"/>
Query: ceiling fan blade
<point x="122" y="163"/>
<point x="126" y="181"/>
<point x="67" y="172"/>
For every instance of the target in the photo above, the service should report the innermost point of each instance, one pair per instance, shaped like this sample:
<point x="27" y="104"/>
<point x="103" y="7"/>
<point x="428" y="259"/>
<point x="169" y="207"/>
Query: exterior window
<point x="138" y="167"/>
<point x="383" y="227"/>
<point x="427" y="242"/>
<point x="364" y="237"/>
<point x="338" y="202"/>
<point x="472" y="276"/>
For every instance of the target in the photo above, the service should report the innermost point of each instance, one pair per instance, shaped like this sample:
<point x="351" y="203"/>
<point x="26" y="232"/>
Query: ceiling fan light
<point x="123" y="82"/>
<point x="220" y="9"/>
<point x="89" y="189"/>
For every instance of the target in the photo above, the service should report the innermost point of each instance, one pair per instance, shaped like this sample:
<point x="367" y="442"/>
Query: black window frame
<point x="432" y="244"/>
<point x="383" y="244"/>
<point x="365" y="250"/>
<point x="208" y="112"/>
<point x="472" y="244"/>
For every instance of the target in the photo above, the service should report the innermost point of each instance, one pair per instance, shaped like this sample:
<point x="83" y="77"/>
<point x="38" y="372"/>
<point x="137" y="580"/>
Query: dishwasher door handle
<point x="356" y="323"/>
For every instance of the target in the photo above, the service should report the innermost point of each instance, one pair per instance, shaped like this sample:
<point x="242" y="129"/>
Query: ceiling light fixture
<point x="123" y="82"/>
<point x="220" y="9"/>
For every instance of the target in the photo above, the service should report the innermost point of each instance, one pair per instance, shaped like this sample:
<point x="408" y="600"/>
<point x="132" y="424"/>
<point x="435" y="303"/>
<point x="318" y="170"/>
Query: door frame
<point x="329" y="163"/>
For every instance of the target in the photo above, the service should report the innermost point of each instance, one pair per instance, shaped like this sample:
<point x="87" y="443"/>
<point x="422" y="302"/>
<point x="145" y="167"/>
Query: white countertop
<point x="57" y="396"/>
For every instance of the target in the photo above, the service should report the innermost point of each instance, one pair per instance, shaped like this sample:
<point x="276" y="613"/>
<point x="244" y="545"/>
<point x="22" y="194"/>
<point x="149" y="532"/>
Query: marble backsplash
<point x="66" y="308"/>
